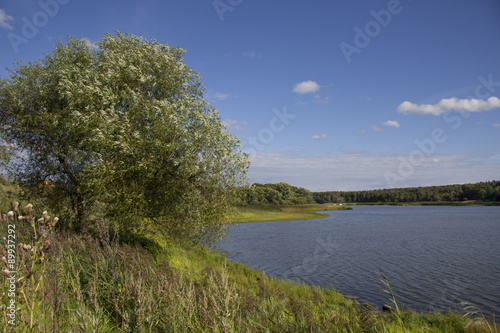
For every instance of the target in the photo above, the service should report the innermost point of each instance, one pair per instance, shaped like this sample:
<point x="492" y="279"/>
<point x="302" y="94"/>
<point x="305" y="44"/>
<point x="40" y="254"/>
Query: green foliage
<point x="6" y="153"/>
<point x="273" y="194"/>
<point x="484" y="191"/>
<point x="9" y="192"/>
<point x="123" y="128"/>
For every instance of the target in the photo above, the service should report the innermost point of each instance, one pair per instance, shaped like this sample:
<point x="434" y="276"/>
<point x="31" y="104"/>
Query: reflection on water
<point x="433" y="257"/>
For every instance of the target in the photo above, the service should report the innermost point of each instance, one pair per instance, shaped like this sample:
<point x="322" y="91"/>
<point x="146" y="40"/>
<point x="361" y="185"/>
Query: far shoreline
<point x="279" y="213"/>
<point x="429" y="203"/>
<point x="276" y="213"/>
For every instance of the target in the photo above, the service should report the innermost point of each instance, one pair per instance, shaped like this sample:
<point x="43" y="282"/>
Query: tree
<point x="123" y="126"/>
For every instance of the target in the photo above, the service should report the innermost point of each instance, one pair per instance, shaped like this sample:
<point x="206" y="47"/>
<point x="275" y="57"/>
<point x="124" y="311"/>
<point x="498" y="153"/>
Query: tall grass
<point x="94" y="282"/>
<point x="267" y="213"/>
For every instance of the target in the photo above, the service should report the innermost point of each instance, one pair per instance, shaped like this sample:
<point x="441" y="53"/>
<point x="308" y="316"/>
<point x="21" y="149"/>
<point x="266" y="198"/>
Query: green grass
<point x="103" y="283"/>
<point x="94" y="283"/>
<point x="266" y="213"/>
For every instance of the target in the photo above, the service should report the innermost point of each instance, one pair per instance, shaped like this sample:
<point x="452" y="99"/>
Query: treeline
<point x="273" y="194"/>
<point x="483" y="191"/>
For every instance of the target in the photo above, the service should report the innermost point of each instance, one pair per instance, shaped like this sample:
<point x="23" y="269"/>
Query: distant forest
<point x="484" y="191"/>
<point x="273" y="194"/>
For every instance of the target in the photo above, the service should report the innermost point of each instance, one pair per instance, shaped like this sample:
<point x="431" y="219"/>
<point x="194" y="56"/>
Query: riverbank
<point x="269" y="213"/>
<point x="274" y="305"/>
<point x="350" y="249"/>
<point x="95" y="282"/>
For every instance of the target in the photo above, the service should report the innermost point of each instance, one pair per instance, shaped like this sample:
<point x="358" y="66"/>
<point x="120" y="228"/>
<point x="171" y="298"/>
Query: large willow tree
<point x="122" y="125"/>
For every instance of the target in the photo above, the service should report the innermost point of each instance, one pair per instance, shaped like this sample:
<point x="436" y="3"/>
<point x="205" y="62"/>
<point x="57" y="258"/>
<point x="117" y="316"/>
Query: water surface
<point x="433" y="257"/>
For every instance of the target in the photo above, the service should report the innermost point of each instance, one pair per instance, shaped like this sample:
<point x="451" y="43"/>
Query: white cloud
<point x="234" y="124"/>
<point x="365" y="171"/>
<point x="391" y="123"/>
<point x="90" y="43"/>
<point x="320" y="137"/>
<point x="377" y="129"/>
<point x="221" y="96"/>
<point x="217" y="96"/>
<point x="447" y="104"/>
<point x="362" y="132"/>
<point x="252" y="54"/>
<point x="325" y="100"/>
<point x="496" y="125"/>
<point x="306" y="87"/>
<point x="3" y="20"/>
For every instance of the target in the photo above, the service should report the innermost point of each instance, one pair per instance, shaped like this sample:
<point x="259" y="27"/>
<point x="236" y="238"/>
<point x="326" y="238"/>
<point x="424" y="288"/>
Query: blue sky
<point x="323" y="94"/>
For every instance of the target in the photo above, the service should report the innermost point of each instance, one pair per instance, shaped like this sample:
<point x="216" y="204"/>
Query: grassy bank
<point x="94" y="283"/>
<point x="267" y="213"/>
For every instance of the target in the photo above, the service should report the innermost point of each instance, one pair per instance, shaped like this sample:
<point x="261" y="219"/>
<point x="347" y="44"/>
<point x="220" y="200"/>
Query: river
<point x="433" y="257"/>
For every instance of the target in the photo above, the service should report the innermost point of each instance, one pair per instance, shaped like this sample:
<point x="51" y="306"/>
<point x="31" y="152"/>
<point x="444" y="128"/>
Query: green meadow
<point x="267" y="213"/>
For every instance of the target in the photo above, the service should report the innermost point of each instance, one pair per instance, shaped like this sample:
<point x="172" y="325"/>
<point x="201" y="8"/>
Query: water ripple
<point x="433" y="257"/>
